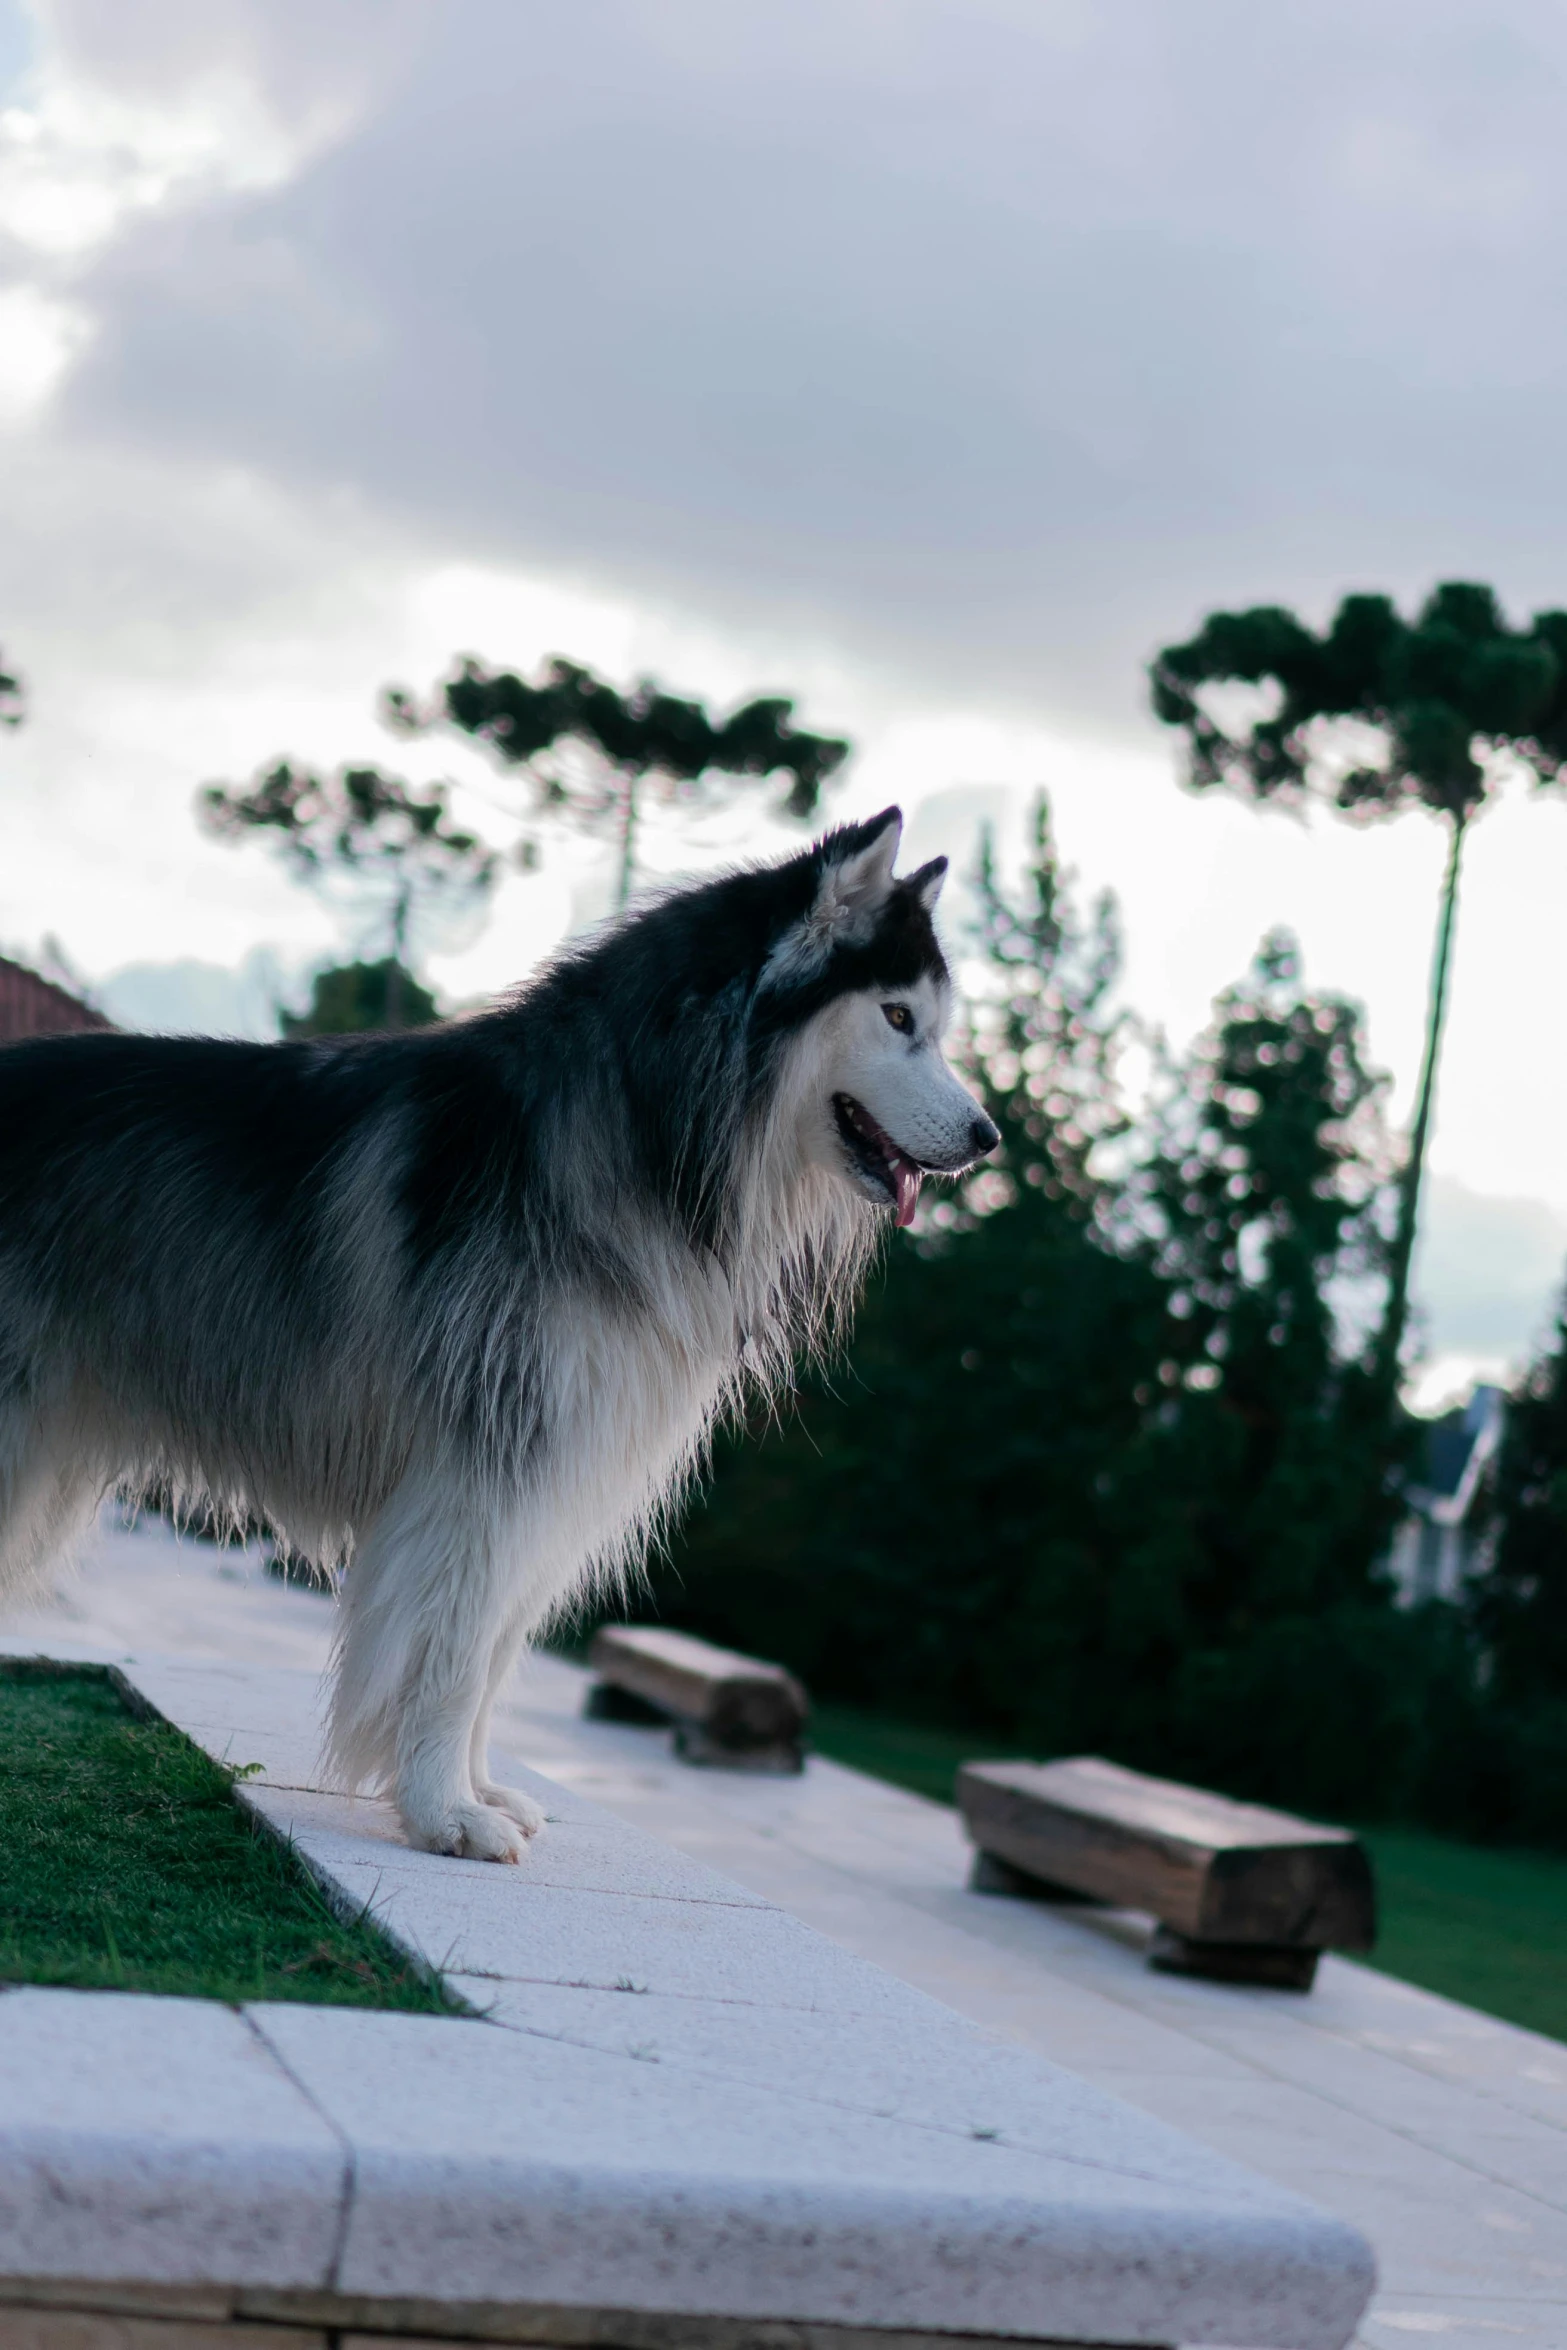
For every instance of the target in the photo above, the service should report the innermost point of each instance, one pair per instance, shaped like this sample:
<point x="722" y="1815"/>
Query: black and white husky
<point x="459" y="1308"/>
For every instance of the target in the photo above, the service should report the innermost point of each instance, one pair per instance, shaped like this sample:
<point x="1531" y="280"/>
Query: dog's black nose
<point x="983" y="1136"/>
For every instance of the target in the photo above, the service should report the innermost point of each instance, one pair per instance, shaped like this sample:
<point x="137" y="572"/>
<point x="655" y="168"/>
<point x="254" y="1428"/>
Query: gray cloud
<point x="992" y="340"/>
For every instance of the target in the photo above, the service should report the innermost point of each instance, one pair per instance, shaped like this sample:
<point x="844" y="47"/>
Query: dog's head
<point x="860" y="979"/>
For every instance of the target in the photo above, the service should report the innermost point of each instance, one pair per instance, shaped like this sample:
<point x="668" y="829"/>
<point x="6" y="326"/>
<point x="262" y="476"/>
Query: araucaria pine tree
<point x="395" y="847"/>
<point x="625" y="743"/>
<point x="1375" y="715"/>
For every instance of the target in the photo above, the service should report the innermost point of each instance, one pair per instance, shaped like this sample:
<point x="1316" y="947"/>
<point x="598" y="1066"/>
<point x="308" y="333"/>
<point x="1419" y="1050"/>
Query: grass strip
<point x="1479" y="1925"/>
<point x="1485" y="1926"/>
<point x="126" y="1864"/>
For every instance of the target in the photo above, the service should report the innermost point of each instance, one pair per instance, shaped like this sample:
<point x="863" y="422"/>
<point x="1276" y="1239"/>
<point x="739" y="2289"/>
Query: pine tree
<point x="641" y="739"/>
<point x="397" y="849"/>
<point x="1259" y="1498"/>
<point x="1376" y="716"/>
<point x="1264" y="1187"/>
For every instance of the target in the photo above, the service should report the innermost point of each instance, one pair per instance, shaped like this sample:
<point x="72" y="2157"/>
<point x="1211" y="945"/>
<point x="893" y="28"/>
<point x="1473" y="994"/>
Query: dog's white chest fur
<point x="632" y="1396"/>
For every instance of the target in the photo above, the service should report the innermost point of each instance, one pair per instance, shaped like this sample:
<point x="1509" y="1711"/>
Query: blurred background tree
<point x="350" y="997"/>
<point x="1520" y="1603"/>
<point x="393" y="846"/>
<point x="1258" y="1495"/>
<point x="13" y="702"/>
<point x="633" y="741"/>
<point x="1376" y="715"/>
<point x="1517" y="1604"/>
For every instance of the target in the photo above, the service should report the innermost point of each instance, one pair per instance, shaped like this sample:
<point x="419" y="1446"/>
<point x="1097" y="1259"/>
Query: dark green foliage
<point x="930" y="1536"/>
<point x="356" y="816"/>
<point x="1258" y="1497"/>
<point x="357" y="824"/>
<point x="351" y="997"/>
<point x="1262" y="1192"/>
<point x="125" y="1864"/>
<point x="635" y="736"/>
<point x="645" y="731"/>
<point x="12" y="700"/>
<point x="1431" y="688"/>
<point x="1516" y="1606"/>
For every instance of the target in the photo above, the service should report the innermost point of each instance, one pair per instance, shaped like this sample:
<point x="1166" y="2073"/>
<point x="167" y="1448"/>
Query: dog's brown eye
<point x="897" y="1016"/>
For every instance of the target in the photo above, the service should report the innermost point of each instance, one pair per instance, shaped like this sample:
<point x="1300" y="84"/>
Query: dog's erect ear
<point x="852" y="887"/>
<point x="926" y="883"/>
<point x="857" y="877"/>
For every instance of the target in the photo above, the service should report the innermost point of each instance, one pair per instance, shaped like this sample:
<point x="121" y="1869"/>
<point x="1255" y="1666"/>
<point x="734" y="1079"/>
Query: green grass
<point x="127" y="1865"/>
<point x="1483" y="1926"/>
<point x="925" y="1761"/>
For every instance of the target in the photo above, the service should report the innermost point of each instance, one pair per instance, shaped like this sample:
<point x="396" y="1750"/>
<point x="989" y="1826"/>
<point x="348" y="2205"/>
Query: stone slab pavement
<point x="1439" y="2132"/>
<point x="789" y="2137"/>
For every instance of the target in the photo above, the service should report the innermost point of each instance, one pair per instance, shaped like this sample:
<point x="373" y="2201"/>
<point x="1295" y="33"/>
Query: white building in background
<point x="1438" y="1545"/>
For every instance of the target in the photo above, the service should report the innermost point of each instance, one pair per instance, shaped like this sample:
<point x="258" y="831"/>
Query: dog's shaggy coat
<point x="457" y="1309"/>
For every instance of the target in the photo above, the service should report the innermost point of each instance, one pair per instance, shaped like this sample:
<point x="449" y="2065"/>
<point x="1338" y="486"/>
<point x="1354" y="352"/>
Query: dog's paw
<point x="470" y="1831"/>
<point x="522" y="1809"/>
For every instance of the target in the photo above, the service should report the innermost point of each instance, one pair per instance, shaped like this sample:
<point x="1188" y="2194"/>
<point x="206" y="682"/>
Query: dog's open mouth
<point x="877" y="1158"/>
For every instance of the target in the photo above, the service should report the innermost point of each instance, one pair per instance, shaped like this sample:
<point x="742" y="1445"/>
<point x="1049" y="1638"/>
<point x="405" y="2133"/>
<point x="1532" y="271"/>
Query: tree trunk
<point x="628" y="841"/>
<point x="1396" y="1312"/>
<point x="394" y="977"/>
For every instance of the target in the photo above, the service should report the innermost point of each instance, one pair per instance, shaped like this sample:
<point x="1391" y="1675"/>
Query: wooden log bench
<point x="1240" y="1893"/>
<point x="728" y="1711"/>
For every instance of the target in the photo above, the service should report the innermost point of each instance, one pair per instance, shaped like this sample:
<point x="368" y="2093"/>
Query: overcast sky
<point x="935" y="362"/>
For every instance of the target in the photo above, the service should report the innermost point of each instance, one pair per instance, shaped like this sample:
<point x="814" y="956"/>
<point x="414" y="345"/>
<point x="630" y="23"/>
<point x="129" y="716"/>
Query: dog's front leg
<point x="441" y="1808"/>
<point x="430" y="1593"/>
<point x="510" y="1800"/>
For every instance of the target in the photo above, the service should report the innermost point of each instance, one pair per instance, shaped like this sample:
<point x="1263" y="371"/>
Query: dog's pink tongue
<point x="907" y="1177"/>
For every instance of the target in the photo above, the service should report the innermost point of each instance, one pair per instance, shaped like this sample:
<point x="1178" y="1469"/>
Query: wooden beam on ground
<point x="730" y="1711"/>
<point x="1239" y="1891"/>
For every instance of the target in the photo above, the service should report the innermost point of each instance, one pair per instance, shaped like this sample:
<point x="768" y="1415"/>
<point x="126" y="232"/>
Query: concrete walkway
<point x="1440" y="2133"/>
